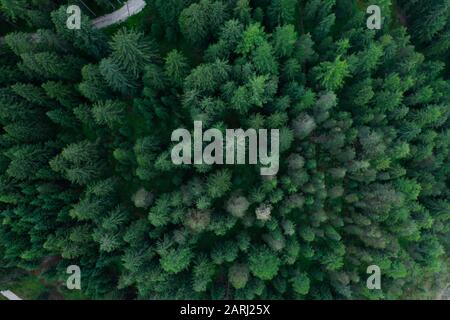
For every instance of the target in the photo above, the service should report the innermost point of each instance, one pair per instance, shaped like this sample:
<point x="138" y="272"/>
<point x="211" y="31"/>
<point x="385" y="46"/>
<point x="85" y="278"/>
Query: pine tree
<point x="110" y="113"/>
<point x="176" y="67"/>
<point x="131" y="51"/>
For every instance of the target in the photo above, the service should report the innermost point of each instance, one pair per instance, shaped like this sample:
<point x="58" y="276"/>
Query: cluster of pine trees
<point x="86" y="175"/>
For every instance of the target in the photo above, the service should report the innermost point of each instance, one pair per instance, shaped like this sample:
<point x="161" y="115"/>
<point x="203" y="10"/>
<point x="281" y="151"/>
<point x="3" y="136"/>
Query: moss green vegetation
<point x="27" y="287"/>
<point x="86" y="175"/>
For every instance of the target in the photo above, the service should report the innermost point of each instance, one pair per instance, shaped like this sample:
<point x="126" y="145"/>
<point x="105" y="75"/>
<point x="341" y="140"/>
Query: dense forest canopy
<point x="86" y="175"/>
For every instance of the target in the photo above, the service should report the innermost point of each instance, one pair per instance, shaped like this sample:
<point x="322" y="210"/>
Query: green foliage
<point x="176" y="260"/>
<point x="200" y="20"/>
<point x="263" y="263"/>
<point x="219" y="183"/>
<point x="301" y="284"/>
<point x="131" y="51"/>
<point x="110" y="113"/>
<point x="238" y="275"/>
<point x="86" y="175"/>
<point x="87" y="38"/>
<point x="331" y="75"/>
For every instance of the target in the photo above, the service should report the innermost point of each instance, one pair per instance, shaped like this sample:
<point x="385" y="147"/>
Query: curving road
<point x="129" y="9"/>
<point x="9" y="295"/>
